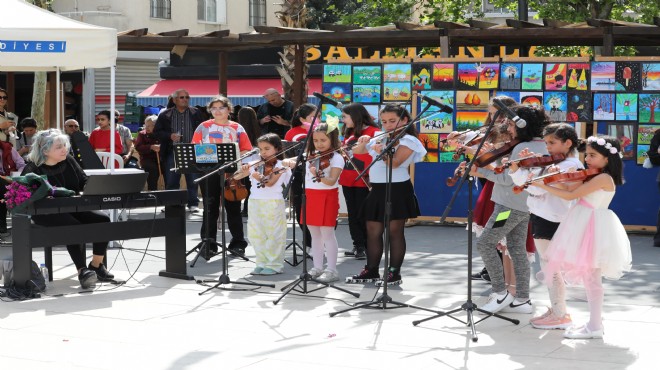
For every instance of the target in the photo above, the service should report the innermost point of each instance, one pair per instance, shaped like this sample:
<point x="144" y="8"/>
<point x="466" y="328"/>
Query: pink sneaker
<point x="546" y="314"/>
<point x="552" y="322"/>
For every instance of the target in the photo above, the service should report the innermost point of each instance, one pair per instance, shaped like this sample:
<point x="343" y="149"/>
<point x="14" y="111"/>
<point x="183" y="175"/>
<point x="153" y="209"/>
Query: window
<point x="257" y="12"/>
<point x="212" y="11"/>
<point x="161" y="9"/>
<point x="488" y="7"/>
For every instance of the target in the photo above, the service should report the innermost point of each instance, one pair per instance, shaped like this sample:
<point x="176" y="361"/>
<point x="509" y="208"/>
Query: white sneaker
<point x="519" y="307"/>
<point x="328" y="276"/>
<point x="496" y="302"/>
<point x="314" y="272"/>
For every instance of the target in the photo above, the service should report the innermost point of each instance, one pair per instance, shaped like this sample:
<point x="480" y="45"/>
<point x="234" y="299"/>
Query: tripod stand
<point x="469" y="306"/>
<point x="288" y="193"/>
<point x="305" y="277"/>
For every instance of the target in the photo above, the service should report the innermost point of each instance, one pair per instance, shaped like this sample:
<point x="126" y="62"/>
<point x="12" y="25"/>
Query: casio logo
<point x="112" y="199"/>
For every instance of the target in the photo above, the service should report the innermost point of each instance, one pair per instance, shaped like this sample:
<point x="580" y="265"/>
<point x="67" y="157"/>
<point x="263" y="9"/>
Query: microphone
<point x="324" y="99"/>
<point x="521" y="123"/>
<point x="251" y="152"/>
<point x="443" y="107"/>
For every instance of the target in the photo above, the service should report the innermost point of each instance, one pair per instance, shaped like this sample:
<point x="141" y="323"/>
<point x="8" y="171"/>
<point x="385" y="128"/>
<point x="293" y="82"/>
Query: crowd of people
<point x="567" y="221"/>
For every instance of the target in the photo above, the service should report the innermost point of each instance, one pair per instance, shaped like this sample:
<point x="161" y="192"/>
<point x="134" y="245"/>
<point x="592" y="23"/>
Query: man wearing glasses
<point x="71" y="126"/>
<point x="7" y="119"/>
<point x="177" y="125"/>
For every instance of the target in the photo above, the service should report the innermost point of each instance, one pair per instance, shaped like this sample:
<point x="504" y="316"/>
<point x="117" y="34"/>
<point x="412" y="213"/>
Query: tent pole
<point x="58" y="100"/>
<point x="112" y="117"/>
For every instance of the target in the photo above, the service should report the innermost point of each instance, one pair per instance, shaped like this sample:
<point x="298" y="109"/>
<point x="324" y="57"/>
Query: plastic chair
<point x="105" y="159"/>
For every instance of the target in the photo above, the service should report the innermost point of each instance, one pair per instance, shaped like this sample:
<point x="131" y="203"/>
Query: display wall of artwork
<point x="367" y="74"/>
<point x="430" y="142"/>
<point x="433" y="120"/>
<point x="602" y="76"/>
<point x="340" y="73"/>
<point x="555" y="76"/>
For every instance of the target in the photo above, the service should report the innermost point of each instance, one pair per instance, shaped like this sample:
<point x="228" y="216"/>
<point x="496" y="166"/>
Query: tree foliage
<point x="373" y="13"/>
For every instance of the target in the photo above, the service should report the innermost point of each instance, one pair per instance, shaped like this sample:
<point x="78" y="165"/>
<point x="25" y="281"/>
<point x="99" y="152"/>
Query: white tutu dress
<point x="590" y="237"/>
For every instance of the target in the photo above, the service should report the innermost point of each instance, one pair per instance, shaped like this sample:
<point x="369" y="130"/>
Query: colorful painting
<point x="337" y="91"/>
<point x="328" y="110"/>
<point x="468" y="77"/>
<point x="396" y="91"/>
<point x="446" y="152"/>
<point x="642" y="152"/>
<point x="470" y="120"/>
<point x="434" y="121"/>
<point x="627" y="76"/>
<point x="602" y="76"/>
<point x="604" y="107"/>
<point x="645" y="133"/>
<point x="366" y="93"/>
<point x="337" y="73"/>
<point x="472" y="100"/>
<point x="443" y="76"/>
<point x="555" y="76"/>
<point x="579" y="107"/>
<point x="532" y="99"/>
<point x="367" y="74"/>
<point x="397" y="72"/>
<point x="650" y="76"/>
<point x="532" y="76"/>
<point x="556" y="105"/>
<point x="430" y="142"/>
<point x="649" y="108"/>
<point x="421" y="76"/>
<point x="625" y="135"/>
<point x="489" y="75"/>
<point x="578" y="76"/>
<point x="515" y="95"/>
<point x="626" y="107"/>
<point x="511" y="76"/>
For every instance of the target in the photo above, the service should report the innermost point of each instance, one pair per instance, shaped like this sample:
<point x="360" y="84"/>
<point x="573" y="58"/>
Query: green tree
<point x="382" y="12"/>
<point x="39" y="85"/>
<point x="326" y="11"/>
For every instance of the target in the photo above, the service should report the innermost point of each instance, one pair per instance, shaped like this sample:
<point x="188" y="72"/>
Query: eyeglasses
<point x="218" y="109"/>
<point x="183" y="97"/>
<point x="4" y="97"/>
<point x="70" y="126"/>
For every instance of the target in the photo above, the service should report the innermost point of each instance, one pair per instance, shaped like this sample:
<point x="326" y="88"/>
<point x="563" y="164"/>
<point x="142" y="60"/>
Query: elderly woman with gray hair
<point x="148" y="145"/>
<point x="50" y="156"/>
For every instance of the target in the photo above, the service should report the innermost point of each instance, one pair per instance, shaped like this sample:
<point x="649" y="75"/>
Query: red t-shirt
<point x="100" y="139"/>
<point x="297" y="133"/>
<point x="362" y="161"/>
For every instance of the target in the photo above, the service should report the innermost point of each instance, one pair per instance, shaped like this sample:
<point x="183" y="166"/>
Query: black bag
<point x="36" y="278"/>
<point x="132" y="162"/>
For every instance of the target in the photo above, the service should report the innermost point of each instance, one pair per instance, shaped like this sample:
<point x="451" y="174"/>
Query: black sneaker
<point x="485" y="276"/>
<point x="367" y="275"/>
<point x="236" y="251"/>
<point x="350" y="253"/>
<point x="393" y="278"/>
<point x="360" y="254"/>
<point x="479" y="275"/>
<point x="87" y="278"/>
<point x="101" y="272"/>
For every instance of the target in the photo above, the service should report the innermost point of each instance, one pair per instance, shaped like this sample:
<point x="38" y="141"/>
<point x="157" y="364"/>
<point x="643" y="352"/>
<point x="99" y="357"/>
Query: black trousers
<point x="78" y="218"/>
<point x="3" y="206"/>
<point x="211" y="213"/>
<point x="355" y="197"/>
<point x="297" y="193"/>
<point x="151" y="168"/>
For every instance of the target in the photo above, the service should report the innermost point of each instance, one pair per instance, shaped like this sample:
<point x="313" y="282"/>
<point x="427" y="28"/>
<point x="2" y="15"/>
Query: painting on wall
<point x="555" y="76"/>
<point x="511" y="76"/>
<point x="421" y="76"/>
<point x="650" y="76"/>
<point x="467" y="76"/>
<point x="337" y="91"/>
<point x="472" y="100"/>
<point x="602" y="76"/>
<point x="555" y="104"/>
<point x="579" y="75"/>
<point x="604" y="106"/>
<point x="645" y="133"/>
<point x="328" y="110"/>
<point x="515" y="95"/>
<point x="579" y="107"/>
<point x="366" y="94"/>
<point x="625" y="135"/>
<point x="367" y="75"/>
<point x="532" y="76"/>
<point x="627" y="76"/>
<point x="396" y="91"/>
<point x="397" y="72"/>
<point x="489" y="75"/>
<point x="626" y="107"/>
<point x="435" y="121"/>
<point x="337" y="73"/>
<point x="443" y="76"/>
<point x="470" y="120"/>
<point x="430" y="142"/>
<point x="649" y="108"/>
<point x="532" y="99"/>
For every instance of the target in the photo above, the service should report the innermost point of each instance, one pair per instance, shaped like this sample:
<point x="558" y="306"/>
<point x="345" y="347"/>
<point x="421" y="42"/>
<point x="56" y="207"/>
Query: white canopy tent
<point x="34" y="39"/>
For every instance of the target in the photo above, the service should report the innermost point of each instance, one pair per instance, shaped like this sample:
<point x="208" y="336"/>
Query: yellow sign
<point x="344" y="54"/>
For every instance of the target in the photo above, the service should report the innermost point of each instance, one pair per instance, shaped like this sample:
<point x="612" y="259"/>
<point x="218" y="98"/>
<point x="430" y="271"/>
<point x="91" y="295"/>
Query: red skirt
<point x="322" y="207"/>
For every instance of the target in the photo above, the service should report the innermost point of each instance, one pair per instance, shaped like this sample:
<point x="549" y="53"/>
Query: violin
<point x="533" y="161"/>
<point x="267" y="170"/>
<point x="491" y="156"/>
<point x="559" y="177"/>
<point x="451" y="181"/>
<point x="235" y="190"/>
<point x="321" y="161"/>
<point x="268" y="175"/>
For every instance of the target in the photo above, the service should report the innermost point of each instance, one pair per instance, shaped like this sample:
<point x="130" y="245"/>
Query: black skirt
<point x="404" y="202"/>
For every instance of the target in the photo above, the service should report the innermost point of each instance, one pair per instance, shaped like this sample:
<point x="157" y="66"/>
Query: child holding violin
<point x="510" y="215"/>
<point x="357" y="122"/>
<point x="404" y="202"/>
<point x="266" y="224"/>
<point x="590" y="242"/>
<point x="324" y="166"/>
<point x="548" y="210"/>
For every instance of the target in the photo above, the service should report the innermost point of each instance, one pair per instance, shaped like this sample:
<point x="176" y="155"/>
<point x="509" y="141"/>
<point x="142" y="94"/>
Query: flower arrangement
<point x="23" y="190"/>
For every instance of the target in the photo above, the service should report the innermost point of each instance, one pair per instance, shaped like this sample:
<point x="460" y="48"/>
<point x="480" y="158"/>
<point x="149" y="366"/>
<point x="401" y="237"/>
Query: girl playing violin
<point x="590" y="242"/>
<point x="322" y="192"/>
<point x="547" y="211"/>
<point x="404" y="202"/>
<point x="357" y="122"/>
<point x="510" y="218"/>
<point x="266" y="224"/>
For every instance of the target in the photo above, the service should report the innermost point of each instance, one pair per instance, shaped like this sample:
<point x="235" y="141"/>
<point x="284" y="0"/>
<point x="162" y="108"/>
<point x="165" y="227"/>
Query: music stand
<point x="287" y="145"/>
<point x="469" y="306"/>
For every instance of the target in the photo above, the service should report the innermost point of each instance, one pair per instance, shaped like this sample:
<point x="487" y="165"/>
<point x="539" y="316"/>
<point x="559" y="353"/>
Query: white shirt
<point x="269" y="192"/>
<point x="378" y="172"/>
<point x="335" y="162"/>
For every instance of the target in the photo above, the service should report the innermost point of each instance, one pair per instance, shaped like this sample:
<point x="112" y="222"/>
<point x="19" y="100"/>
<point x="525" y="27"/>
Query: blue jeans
<point x="174" y="178"/>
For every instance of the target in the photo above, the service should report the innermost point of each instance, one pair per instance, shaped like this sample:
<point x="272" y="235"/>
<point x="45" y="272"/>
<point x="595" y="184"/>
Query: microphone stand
<point x="304" y="277"/>
<point x="469" y="306"/>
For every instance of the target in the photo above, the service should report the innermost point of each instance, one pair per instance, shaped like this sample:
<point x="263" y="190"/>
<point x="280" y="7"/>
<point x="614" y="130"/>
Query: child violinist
<point x="590" y="242"/>
<point x="266" y="224"/>
<point x="403" y="200"/>
<point x="324" y="166"/>
<point x="547" y="211"/>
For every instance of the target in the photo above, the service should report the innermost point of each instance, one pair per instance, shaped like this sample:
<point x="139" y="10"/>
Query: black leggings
<point x="212" y="213"/>
<point x="375" y="231"/>
<point x="78" y="218"/>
